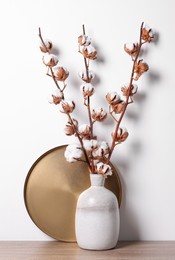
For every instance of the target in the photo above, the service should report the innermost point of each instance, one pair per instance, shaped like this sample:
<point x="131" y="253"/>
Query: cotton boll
<point x="103" y="168"/>
<point x="101" y="150"/>
<point x="56" y="97"/>
<point x="122" y="135"/>
<point x="84" y="40"/>
<point x="60" y="73"/>
<point x="89" y="52"/>
<point x="147" y="34"/>
<point x="50" y="60"/>
<point x="73" y="153"/>
<point x="66" y="106"/>
<point x="47" y="46"/>
<point x="113" y="98"/>
<point x="99" y="114"/>
<point x="87" y="89"/>
<point x="125" y="89"/>
<point x="89" y="145"/>
<point x="104" y="145"/>
<point x="131" y="48"/>
<point x="83" y="75"/>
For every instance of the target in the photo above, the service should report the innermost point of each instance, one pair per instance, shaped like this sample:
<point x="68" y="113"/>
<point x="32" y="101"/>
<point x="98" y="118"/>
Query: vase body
<point x="97" y="216"/>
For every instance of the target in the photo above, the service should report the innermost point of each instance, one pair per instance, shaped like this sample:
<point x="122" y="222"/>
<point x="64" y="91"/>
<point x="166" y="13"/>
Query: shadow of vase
<point x="129" y="229"/>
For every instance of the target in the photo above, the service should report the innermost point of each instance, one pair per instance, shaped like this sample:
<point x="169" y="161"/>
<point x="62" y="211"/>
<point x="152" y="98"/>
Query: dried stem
<point x="127" y="98"/>
<point x="41" y="38"/>
<point x="69" y="116"/>
<point x="54" y="79"/>
<point x="88" y="99"/>
<point x="80" y="140"/>
<point x="110" y="112"/>
<point x="64" y="86"/>
<point x="51" y="70"/>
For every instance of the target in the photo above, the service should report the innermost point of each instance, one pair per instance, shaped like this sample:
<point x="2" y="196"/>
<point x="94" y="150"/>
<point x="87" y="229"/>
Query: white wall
<point x="30" y="125"/>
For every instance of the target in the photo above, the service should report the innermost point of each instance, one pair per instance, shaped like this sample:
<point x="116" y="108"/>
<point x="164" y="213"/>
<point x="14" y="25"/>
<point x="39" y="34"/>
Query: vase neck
<point x="97" y="179"/>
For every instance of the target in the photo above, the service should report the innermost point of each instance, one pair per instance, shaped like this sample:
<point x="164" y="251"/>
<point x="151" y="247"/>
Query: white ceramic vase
<point x="97" y="218"/>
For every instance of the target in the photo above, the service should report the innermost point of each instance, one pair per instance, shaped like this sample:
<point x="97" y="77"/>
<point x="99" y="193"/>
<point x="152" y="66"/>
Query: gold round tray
<point x="51" y="191"/>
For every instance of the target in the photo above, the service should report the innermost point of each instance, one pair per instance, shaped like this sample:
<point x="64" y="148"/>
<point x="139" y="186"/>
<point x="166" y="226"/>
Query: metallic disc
<point x="51" y="191"/>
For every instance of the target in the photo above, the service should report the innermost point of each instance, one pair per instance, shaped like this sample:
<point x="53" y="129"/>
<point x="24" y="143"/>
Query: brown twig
<point x="80" y="140"/>
<point x="127" y="98"/>
<point x="51" y="70"/>
<point x="69" y="116"/>
<point x="88" y="99"/>
<point x="41" y="38"/>
<point x="110" y="112"/>
<point x="55" y="81"/>
<point x="85" y="60"/>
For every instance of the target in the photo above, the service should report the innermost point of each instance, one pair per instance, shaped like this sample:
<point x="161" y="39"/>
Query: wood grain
<point x="52" y="250"/>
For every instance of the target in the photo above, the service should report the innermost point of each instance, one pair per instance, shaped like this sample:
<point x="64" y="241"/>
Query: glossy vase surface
<point x="97" y="218"/>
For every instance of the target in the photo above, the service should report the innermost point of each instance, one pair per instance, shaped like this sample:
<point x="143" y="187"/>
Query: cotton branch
<point x="80" y="139"/>
<point x="97" y="154"/>
<point x="62" y="90"/>
<point x="49" y="68"/>
<point x="127" y="98"/>
<point x="88" y="98"/>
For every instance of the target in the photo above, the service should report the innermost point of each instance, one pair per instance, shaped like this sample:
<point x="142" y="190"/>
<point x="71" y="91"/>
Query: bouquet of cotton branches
<point x="89" y="149"/>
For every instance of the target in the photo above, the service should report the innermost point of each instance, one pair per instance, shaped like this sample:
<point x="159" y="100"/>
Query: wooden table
<point x="37" y="250"/>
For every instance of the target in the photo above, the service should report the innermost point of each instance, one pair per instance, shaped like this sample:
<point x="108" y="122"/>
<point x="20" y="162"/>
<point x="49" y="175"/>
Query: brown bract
<point x="113" y="98"/>
<point x="92" y="55"/>
<point x="85" y="79"/>
<point x="56" y="99"/>
<point x="132" y="51"/>
<point x="147" y="35"/>
<point x="139" y="68"/>
<point x="87" y="90"/>
<point x="128" y="91"/>
<point x="46" y="48"/>
<point x="99" y="115"/>
<point x="119" y="107"/>
<point x="69" y="129"/>
<point x="122" y="135"/>
<point x="61" y="74"/>
<point x="67" y="107"/>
